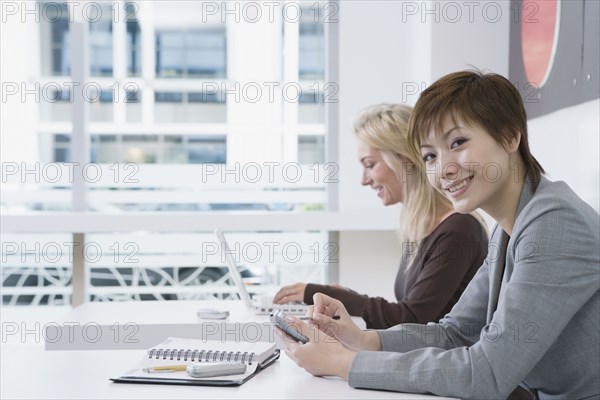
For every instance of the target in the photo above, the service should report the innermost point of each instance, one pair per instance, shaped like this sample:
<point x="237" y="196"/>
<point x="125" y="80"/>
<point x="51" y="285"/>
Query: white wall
<point x="566" y="143"/>
<point x="369" y="262"/>
<point x="468" y="35"/>
<point x="377" y="60"/>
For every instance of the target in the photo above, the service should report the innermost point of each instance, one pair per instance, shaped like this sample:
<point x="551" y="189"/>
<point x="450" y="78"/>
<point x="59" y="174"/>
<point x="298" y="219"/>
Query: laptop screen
<point x="233" y="269"/>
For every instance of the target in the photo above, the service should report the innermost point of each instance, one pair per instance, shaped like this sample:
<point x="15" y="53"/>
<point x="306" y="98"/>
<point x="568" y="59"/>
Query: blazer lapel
<point x="497" y="272"/>
<point x="501" y="240"/>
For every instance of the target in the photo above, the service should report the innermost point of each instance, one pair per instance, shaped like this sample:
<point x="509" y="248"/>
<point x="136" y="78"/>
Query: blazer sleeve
<point x="555" y="258"/>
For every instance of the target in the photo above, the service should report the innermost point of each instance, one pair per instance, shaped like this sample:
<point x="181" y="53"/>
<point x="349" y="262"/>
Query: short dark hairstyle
<point x="488" y="100"/>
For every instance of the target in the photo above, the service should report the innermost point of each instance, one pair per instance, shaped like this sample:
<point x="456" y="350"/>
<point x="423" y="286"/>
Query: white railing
<point x="109" y="186"/>
<point x="158" y="265"/>
<point x="133" y="263"/>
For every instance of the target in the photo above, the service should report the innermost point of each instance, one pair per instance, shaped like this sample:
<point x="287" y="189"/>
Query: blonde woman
<point x="442" y="249"/>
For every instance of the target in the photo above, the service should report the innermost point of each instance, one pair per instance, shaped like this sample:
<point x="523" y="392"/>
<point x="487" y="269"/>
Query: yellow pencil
<point x="166" y="368"/>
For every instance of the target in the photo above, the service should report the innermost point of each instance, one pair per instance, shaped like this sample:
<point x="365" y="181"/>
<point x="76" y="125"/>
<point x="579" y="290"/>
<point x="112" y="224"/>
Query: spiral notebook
<point x="177" y="351"/>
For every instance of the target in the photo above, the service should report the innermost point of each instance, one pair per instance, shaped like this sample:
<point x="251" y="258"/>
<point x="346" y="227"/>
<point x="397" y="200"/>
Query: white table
<point x="32" y="373"/>
<point x="29" y="371"/>
<point x="141" y="325"/>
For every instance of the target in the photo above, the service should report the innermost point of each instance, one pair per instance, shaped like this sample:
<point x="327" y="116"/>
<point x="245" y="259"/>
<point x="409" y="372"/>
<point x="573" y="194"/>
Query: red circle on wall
<point x="539" y="34"/>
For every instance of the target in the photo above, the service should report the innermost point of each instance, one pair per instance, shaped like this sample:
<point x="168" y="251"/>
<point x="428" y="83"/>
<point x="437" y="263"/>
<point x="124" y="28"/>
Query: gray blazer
<point x="530" y="316"/>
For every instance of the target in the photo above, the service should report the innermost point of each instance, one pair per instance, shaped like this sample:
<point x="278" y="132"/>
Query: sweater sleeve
<point x="353" y="301"/>
<point x="454" y="253"/>
<point x="437" y="286"/>
<point x="453" y="256"/>
<point x="377" y="312"/>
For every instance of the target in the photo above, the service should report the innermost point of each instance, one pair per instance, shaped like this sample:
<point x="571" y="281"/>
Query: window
<point x="134" y="48"/>
<point x="311" y="149"/>
<point x="197" y="54"/>
<point x="62" y="148"/>
<point x="147" y="149"/>
<point x="193" y="107"/>
<point x="101" y="106"/>
<point x="59" y="40"/>
<point x="57" y="107"/>
<point x="311" y="107"/>
<point x="101" y="43"/>
<point x="55" y="39"/>
<point x="133" y="106"/>
<point x="168" y="97"/>
<point x="132" y="96"/>
<point x="173" y="130"/>
<point x="206" y="150"/>
<point x="312" y="47"/>
<point x="199" y="97"/>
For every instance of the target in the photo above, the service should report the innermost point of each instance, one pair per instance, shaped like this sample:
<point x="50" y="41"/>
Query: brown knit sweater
<point x="442" y="268"/>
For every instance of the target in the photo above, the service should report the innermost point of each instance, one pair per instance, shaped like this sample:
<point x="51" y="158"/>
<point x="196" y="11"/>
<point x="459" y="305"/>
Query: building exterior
<point x="172" y="91"/>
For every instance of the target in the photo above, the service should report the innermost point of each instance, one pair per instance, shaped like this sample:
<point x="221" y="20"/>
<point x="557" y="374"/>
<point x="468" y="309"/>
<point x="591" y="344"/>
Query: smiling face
<point x="378" y="175"/>
<point x="469" y="167"/>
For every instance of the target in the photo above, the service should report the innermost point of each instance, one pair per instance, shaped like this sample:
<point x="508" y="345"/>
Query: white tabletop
<point x="136" y="325"/>
<point x="29" y="371"/>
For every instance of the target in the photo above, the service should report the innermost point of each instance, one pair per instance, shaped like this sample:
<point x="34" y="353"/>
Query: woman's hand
<point x="322" y="355"/>
<point x="290" y="293"/>
<point x="331" y="317"/>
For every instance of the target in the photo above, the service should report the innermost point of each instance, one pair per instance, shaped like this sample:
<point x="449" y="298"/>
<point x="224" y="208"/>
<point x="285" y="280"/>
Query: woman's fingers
<point x="290" y="293"/>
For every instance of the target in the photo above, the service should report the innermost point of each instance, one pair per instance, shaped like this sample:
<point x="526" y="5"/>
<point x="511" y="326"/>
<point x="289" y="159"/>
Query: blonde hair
<point x="384" y="127"/>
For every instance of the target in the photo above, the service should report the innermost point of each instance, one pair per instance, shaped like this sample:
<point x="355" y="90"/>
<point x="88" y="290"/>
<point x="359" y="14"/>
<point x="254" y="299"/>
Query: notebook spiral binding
<point x="202" y="355"/>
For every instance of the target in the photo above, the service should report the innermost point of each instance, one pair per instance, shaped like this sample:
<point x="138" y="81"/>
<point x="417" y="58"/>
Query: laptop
<point x="263" y="307"/>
